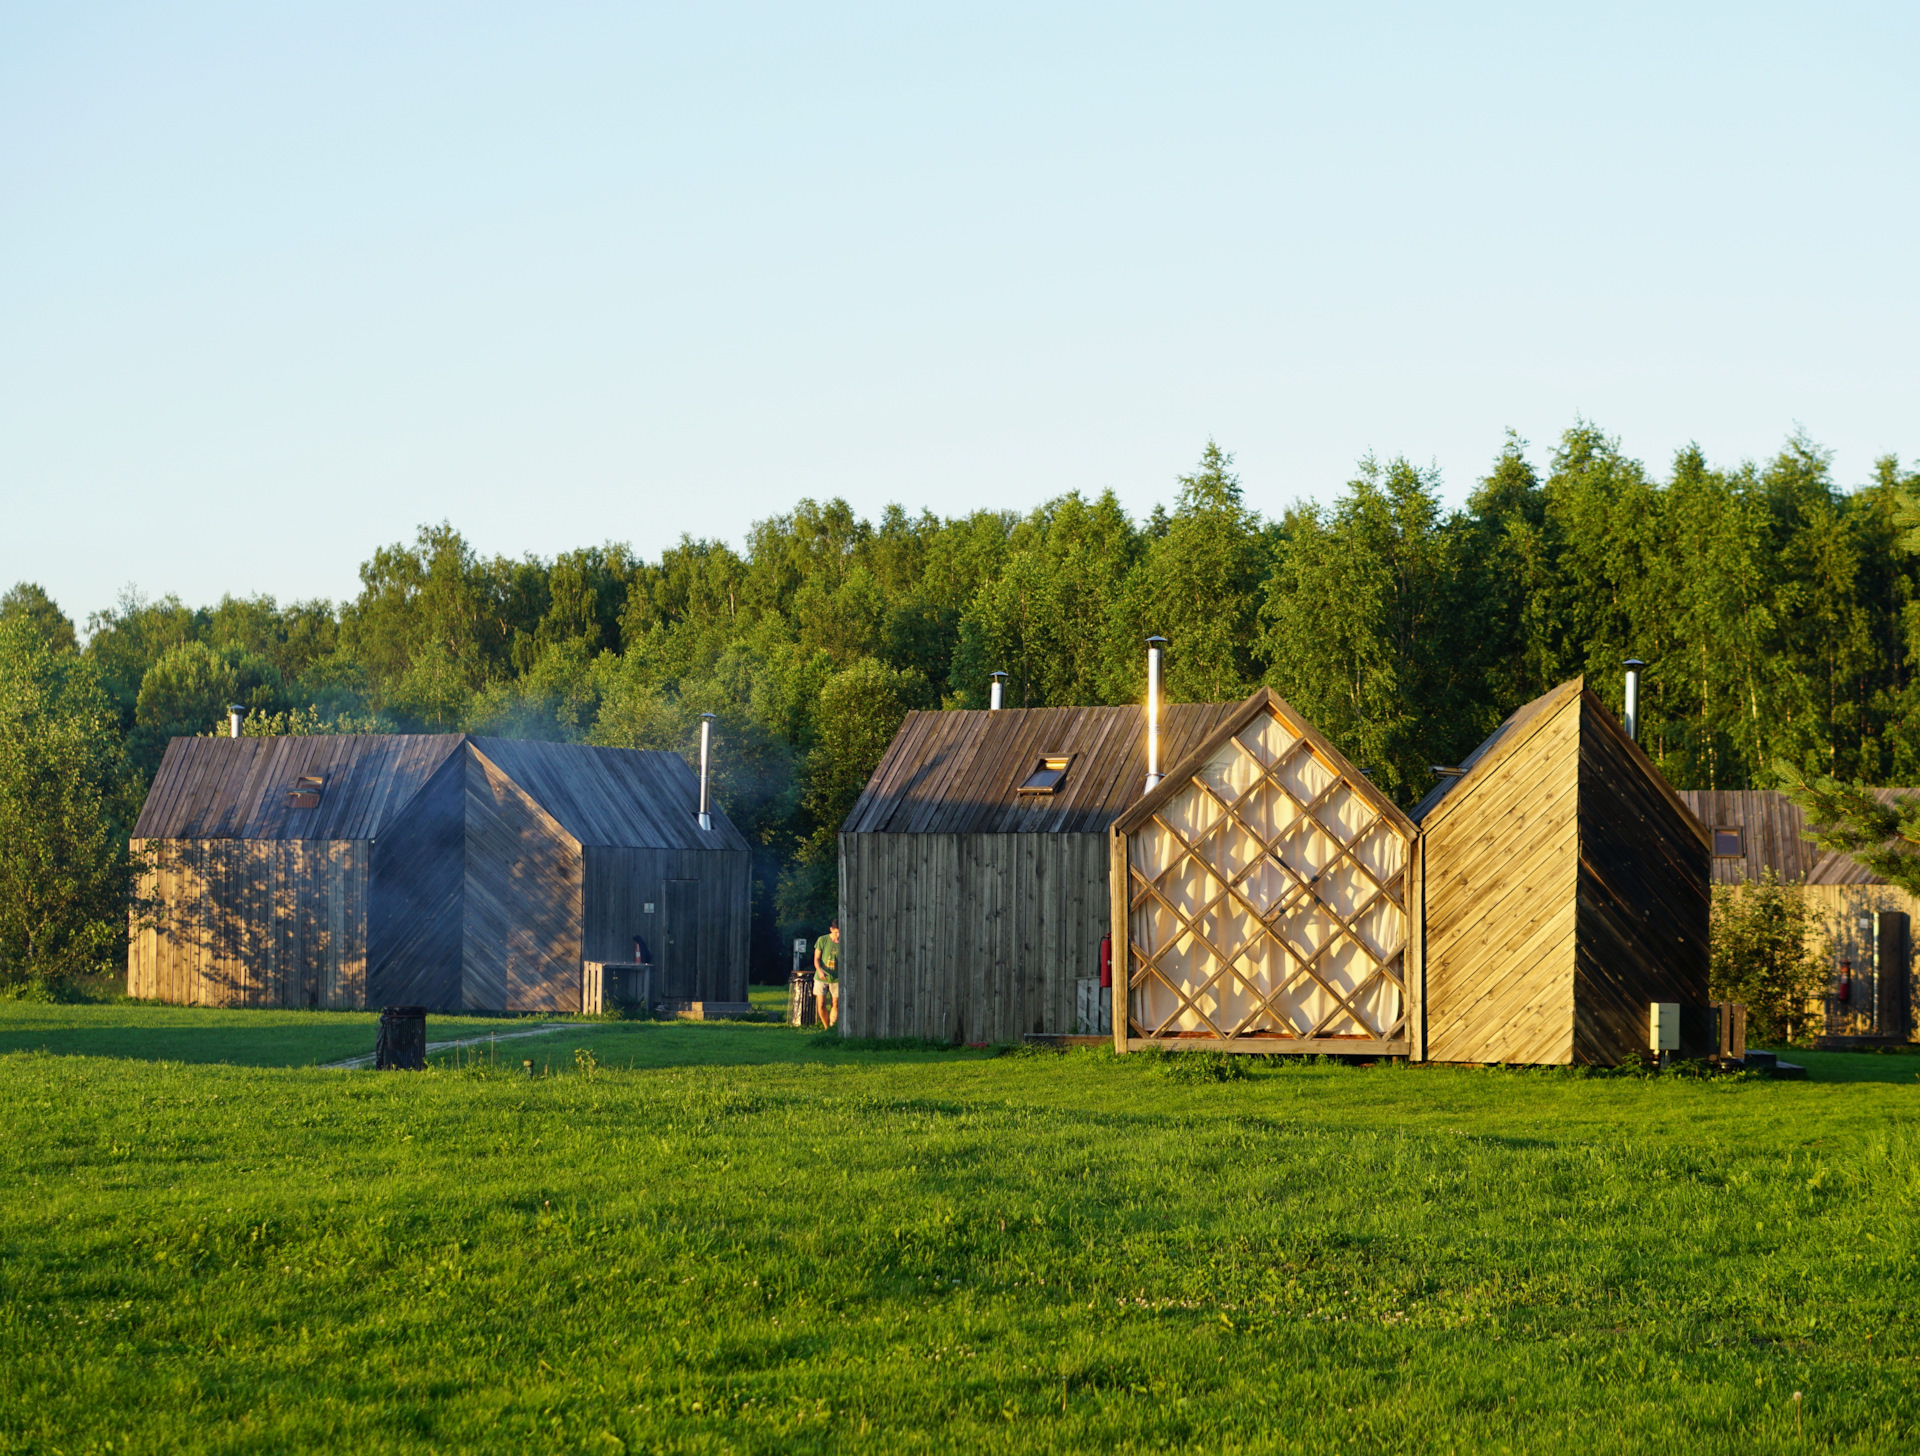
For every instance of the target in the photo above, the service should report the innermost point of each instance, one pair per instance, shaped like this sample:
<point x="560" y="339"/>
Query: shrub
<point x="1766" y="955"/>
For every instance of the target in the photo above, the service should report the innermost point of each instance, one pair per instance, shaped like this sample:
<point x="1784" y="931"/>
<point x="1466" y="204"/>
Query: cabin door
<point x="680" y="950"/>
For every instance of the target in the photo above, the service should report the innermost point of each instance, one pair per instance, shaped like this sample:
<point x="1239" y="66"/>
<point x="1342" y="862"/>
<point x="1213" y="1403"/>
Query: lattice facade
<point x="1267" y="902"/>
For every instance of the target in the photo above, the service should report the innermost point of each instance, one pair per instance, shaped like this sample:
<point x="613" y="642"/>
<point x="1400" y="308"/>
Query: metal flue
<point x="235" y="712"/>
<point x="996" y="695"/>
<point x="1634" y="665"/>
<point x="706" y="751"/>
<point x="1156" y="646"/>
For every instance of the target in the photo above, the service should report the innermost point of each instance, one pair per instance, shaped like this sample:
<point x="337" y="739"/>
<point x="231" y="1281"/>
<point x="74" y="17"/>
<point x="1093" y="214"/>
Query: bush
<point x="1765" y="954"/>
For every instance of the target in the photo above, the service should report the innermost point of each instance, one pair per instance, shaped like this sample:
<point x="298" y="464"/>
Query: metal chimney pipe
<point x="235" y="712"/>
<point x="1634" y="665"/>
<point x="1155" y="647"/>
<point x="996" y="695"/>
<point x="706" y="749"/>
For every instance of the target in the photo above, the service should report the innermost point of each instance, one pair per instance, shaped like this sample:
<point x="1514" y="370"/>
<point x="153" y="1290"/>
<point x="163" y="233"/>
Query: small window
<point x="1048" y="775"/>
<point x="1726" y="844"/>
<point x="305" y="793"/>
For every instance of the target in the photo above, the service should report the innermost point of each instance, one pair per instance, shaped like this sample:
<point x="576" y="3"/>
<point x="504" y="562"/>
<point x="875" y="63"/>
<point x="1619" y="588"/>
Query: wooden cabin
<point x="974" y="867"/>
<point x="444" y="871"/>
<point x="1564" y="889"/>
<point x="1862" y="919"/>
<point x="1264" y="893"/>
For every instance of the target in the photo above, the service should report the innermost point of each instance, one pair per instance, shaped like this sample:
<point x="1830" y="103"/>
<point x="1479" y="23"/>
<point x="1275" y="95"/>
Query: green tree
<point x="190" y="689"/>
<point x="1882" y="834"/>
<point x="1367" y="634"/>
<point x="860" y="708"/>
<point x="1765" y="955"/>
<point x="1199" y="585"/>
<point x="28" y="602"/>
<point x="64" y="873"/>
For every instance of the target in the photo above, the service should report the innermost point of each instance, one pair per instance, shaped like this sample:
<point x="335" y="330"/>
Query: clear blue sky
<point x="280" y="282"/>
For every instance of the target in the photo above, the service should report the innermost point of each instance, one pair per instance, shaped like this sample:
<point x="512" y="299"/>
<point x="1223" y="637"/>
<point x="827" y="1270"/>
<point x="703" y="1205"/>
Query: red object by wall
<point x="1106" y="961"/>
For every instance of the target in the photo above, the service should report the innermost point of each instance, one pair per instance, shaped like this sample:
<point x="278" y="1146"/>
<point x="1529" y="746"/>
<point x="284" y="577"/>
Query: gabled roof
<point x="637" y="798"/>
<point x="1530" y="718"/>
<point x="1773" y="836"/>
<point x="959" y="771"/>
<point x="237" y="788"/>
<point x="1499" y="743"/>
<point x="240" y="788"/>
<point x="1264" y="700"/>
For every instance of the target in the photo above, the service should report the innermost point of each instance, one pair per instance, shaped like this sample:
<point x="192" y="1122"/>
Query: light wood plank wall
<point x="244" y="922"/>
<point x="968" y="937"/>
<point x="1501" y="868"/>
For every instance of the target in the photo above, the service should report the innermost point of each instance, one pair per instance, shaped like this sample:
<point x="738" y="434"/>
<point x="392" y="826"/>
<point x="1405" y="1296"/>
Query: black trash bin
<point x="402" y="1046"/>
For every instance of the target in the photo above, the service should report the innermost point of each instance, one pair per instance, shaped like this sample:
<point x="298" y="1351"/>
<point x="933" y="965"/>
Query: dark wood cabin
<point x="1564" y="889"/>
<point x="970" y="909"/>
<point x="1264" y="895"/>
<point x="444" y="871"/>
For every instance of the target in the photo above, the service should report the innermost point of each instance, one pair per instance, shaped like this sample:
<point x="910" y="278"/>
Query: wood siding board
<point x="417" y="899"/>
<point x="1482" y="870"/>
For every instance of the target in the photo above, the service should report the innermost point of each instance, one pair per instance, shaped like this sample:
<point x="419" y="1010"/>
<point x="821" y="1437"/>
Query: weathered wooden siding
<point x="414" y="935"/>
<point x="619" y="884"/>
<point x="1500" y="865"/>
<point x="252" y="923"/>
<point x="522" y="940"/>
<point x="1644" y="902"/>
<point x="968" y="937"/>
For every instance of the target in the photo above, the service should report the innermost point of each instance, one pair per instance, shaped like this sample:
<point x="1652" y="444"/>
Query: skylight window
<point x="1726" y="844"/>
<point x="1049" y="775"/>
<point x="305" y="793"/>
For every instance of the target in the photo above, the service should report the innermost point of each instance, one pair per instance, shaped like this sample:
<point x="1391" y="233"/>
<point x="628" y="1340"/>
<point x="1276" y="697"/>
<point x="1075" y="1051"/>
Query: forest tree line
<point x="1775" y="608"/>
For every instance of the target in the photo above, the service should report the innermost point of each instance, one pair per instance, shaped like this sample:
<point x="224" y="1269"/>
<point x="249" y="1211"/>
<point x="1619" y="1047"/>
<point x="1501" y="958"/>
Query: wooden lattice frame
<point x="1300" y="897"/>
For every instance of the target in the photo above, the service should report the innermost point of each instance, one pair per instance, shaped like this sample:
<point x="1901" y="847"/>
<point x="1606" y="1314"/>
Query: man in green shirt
<point x="826" y="974"/>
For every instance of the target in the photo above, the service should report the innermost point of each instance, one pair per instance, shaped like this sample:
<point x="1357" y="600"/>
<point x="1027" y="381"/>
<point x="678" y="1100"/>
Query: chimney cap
<point x="709" y="715"/>
<point x="236" y="707"/>
<point x="1633" y="662"/>
<point x="1001" y="673"/>
<point x="1161" y="640"/>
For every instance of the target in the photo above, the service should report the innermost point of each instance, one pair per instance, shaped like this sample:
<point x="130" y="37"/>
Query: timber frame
<point x="1265" y="898"/>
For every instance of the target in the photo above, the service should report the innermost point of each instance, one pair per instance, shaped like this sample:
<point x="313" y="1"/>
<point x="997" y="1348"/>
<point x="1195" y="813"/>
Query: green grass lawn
<point x="742" y="1237"/>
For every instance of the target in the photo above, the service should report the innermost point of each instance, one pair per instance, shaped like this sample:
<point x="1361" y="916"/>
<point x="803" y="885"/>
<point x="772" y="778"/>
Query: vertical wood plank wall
<point x="252" y="923"/>
<point x="968" y="937"/>
<point x="414" y="934"/>
<point x="1501" y="868"/>
<point x="1643" y="904"/>
<point x="522" y="927"/>
<point x="618" y="885"/>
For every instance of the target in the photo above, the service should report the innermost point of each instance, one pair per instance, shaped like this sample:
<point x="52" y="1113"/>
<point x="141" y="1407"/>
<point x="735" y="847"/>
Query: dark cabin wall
<point x="968" y="937"/>
<point x="1644" y="902"/>
<point x="251" y="923"/>
<point x="415" y="936"/>
<point x="521" y="947"/>
<point x="1501" y="855"/>
<point x="618" y="885"/>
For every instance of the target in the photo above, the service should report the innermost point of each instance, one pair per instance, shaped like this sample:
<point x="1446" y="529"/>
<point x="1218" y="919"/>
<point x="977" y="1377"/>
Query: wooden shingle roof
<point x="240" y="788"/>
<point x="237" y="788"/>
<point x="1773" y="836"/>
<point x="958" y="771"/>
<point x="632" y="797"/>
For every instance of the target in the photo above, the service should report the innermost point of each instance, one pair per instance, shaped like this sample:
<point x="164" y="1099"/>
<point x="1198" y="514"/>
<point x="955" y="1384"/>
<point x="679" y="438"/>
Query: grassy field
<point x="746" y="1238"/>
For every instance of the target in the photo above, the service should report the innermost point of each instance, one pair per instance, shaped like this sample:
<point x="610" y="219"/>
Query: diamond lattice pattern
<point x="1267" y="899"/>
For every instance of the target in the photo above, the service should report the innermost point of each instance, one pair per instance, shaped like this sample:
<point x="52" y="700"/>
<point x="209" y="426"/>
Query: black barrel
<point x="402" y="1046"/>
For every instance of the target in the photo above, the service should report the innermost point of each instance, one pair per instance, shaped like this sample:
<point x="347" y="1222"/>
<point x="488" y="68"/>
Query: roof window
<point x="1048" y="775"/>
<point x="305" y="793"/>
<point x="1726" y="844"/>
